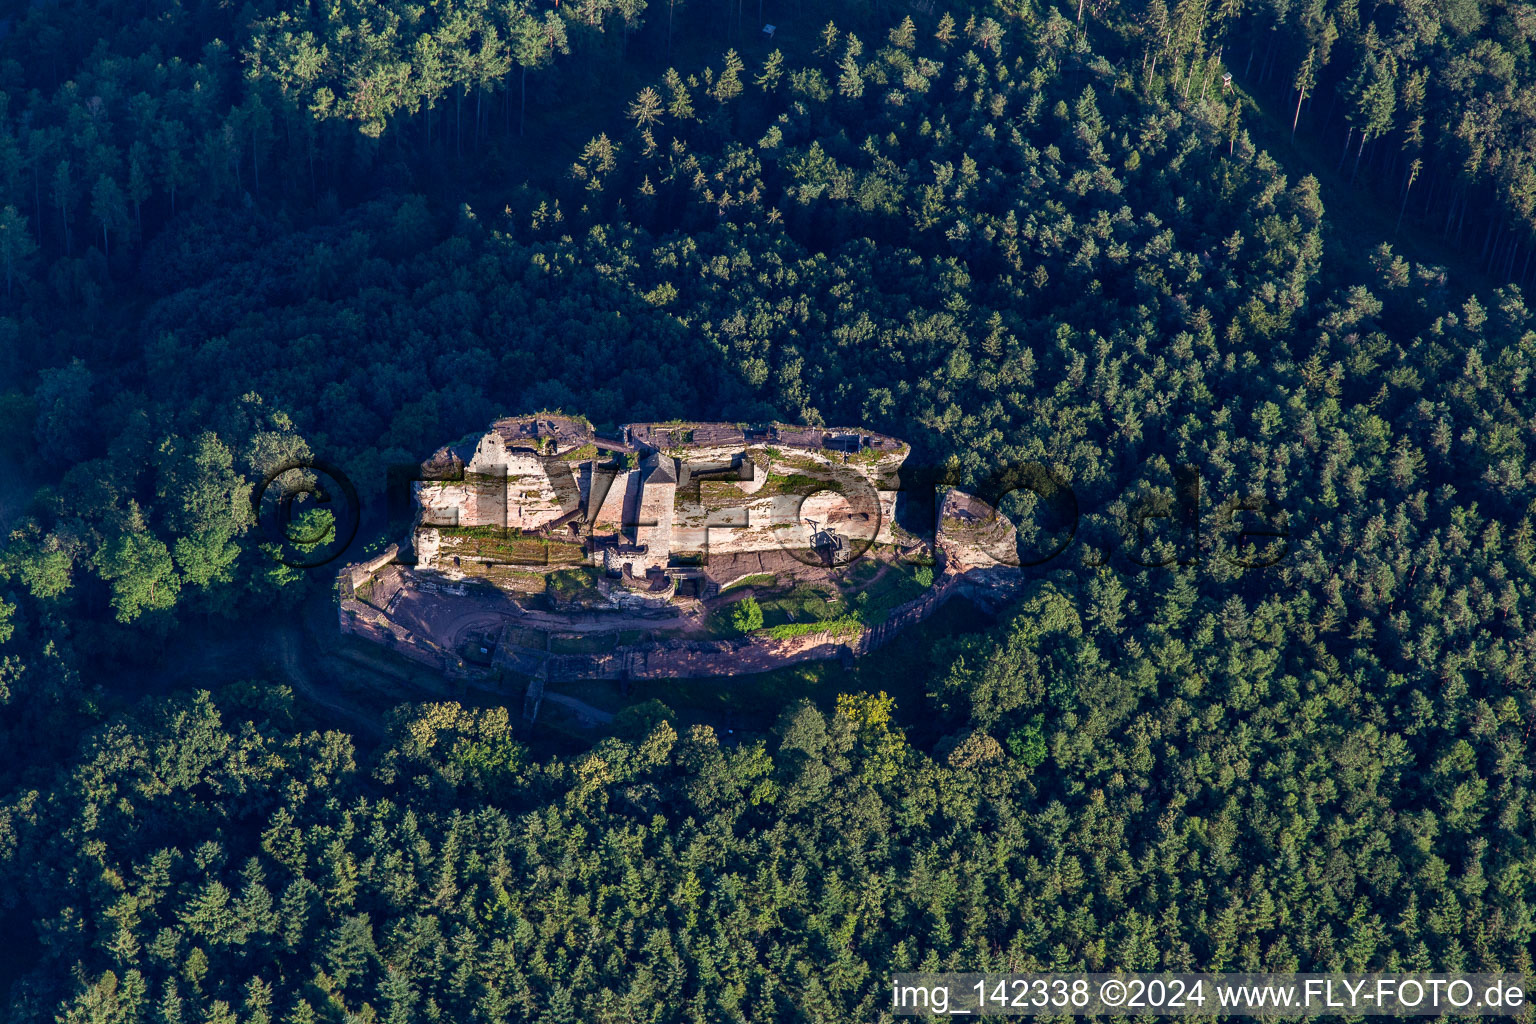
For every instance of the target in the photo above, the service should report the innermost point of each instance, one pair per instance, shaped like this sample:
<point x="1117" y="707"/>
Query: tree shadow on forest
<point x="20" y="949"/>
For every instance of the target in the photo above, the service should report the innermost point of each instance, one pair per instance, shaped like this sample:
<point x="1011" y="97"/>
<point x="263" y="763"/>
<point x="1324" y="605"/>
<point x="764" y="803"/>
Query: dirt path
<point x="295" y="663"/>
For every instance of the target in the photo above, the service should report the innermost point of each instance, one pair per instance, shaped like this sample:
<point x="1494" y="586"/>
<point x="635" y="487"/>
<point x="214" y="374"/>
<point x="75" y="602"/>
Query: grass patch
<point x="508" y="546"/>
<point x="811" y="609"/>
<point x="583" y="643"/>
<point x="471" y="651"/>
<point x="570" y="584"/>
<point x="516" y="579"/>
<point x="585" y="452"/>
<point x="798" y="483"/>
<point x="806" y="602"/>
<point x="713" y="495"/>
<point x="519" y="636"/>
<point x="861" y="572"/>
<point x="595" y="643"/>
<point x="806" y="462"/>
<point x="874" y="603"/>
<point x="869" y="456"/>
<point x="843" y="625"/>
<point x="759" y="579"/>
<point x="719" y="623"/>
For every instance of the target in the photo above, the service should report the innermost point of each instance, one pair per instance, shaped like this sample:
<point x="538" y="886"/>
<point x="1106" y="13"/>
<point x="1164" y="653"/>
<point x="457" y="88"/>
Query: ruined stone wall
<point x="702" y="442"/>
<point x="522" y="660"/>
<point x="653" y="524"/>
<point x="500" y="489"/>
<point x="505" y="484"/>
<point x="559" y="433"/>
<point x="479" y="499"/>
<point x="610" y="518"/>
<point x="762" y="520"/>
<point x="538" y="492"/>
<point x="694" y="436"/>
<point x="367" y="622"/>
<point x="911" y="613"/>
<point x="502" y="486"/>
<point x="727" y="521"/>
<point x="685" y="659"/>
<point x="726" y="517"/>
<point x="974" y="535"/>
<point x="359" y="573"/>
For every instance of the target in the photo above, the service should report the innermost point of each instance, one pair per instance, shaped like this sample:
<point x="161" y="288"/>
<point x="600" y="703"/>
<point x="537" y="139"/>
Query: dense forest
<point x="1010" y="231"/>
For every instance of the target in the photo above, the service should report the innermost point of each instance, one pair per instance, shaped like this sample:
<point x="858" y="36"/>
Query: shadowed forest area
<point x="1010" y="231"/>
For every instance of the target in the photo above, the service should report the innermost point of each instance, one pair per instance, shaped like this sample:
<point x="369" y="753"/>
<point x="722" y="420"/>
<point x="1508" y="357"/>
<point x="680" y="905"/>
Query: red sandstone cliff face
<point x="674" y="659"/>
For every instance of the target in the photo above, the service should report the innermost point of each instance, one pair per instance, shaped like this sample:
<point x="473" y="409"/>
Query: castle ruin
<point x="541" y="535"/>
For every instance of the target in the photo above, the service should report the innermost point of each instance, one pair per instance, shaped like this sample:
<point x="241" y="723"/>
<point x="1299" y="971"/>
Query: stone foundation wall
<point x="368" y="623"/>
<point x="691" y="659"/>
<point x="679" y="659"/>
<point x="609" y="517"/>
<point x="688" y="659"/>
<point x="912" y="612"/>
